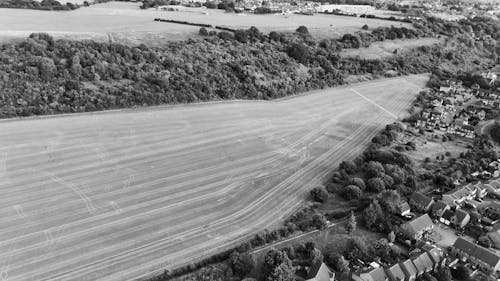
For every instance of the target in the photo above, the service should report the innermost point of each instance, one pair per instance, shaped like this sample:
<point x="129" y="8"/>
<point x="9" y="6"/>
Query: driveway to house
<point x="446" y="235"/>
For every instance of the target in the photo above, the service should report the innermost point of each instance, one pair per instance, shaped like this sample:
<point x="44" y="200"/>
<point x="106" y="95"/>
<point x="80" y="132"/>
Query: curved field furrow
<point x="121" y="195"/>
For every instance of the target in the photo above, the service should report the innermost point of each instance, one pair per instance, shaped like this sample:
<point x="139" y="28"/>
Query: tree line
<point x="45" y="76"/>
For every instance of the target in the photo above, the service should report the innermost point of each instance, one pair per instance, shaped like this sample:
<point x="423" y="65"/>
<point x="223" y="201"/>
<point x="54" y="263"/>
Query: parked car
<point x="469" y="205"/>
<point x="486" y="221"/>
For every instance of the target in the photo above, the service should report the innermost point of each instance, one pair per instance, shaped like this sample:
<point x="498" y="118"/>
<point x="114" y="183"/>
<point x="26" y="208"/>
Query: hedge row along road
<point x="119" y="195"/>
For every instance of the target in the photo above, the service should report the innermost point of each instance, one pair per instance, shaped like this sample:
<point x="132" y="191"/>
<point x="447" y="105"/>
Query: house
<point x="421" y="202"/>
<point x="476" y="254"/>
<point x="320" y="272"/>
<point x="417" y="228"/>
<point x="439" y="208"/>
<point x="445" y="90"/>
<point x="409" y="269"/>
<point x="420" y="122"/>
<point x="481" y="114"/>
<point x="404" y="209"/>
<point x="461" y="218"/>
<point x="437" y="103"/>
<point x="447" y="216"/>
<point x="459" y="195"/>
<point x="435" y="253"/>
<point x="481" y="191"/>
<point x="458" y="218"/>
<point x="376" y="274"/>
<point x="436" y="114"/>
<point x="419" y="265"/>
<point x="427" y="262"/>
<point x="395" y="273"/>
<point x="459" y="122"/>
<point x="468" y="130"/>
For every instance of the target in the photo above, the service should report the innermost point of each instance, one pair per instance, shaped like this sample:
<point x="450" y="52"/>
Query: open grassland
<point x="125" y="23"/>
<point x="385" y="49"/>
<point x="120" y="194"/>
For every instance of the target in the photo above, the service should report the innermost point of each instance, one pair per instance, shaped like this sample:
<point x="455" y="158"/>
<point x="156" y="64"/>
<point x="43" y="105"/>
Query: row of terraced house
<point x="428" y="259"/>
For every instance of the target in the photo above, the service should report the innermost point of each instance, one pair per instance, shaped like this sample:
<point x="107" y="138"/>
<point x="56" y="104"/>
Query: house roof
<point x="459" y="122"/>
<point x="422" y="222"/>
<point x="395" y="273"/>
<point x="495" y="183"/>
<point x="404" y="207"/>
<point x="377" y="274"/>
<point x="426" y="260"/>
<point x="448" y="214"/>
<point x="461" y="192"/>
<point x="420" y="198"/>
<point x="409" y="267"/>
<point x="434" y="252"/>
<point x="461" y="215"/>
<point x="319" y="272"/>
<point x="468" y="127"/>
<point x="419" y="264"/>
<point x="439" y="206"/>
<point x="477" y="251"/>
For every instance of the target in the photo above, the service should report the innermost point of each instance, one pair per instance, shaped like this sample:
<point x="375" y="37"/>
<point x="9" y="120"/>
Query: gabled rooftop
<point x="461" y="215"/>
<point x="420" y="223"/>
<point x="395" y="273"/>
<point x="319" y="272"/>
<point x="448" y="214"/>
<point x="421" y="198"/>
<point x="477" y="251"/>
<point x="434" y="252"/>
<point x="439" y="206"/>
<point x="377" y="274"/>
<point x="409" y="268"/>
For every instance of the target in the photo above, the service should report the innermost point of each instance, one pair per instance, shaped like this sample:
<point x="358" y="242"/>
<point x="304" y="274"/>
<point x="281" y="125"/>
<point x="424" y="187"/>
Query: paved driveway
<point x="445" y="236"/>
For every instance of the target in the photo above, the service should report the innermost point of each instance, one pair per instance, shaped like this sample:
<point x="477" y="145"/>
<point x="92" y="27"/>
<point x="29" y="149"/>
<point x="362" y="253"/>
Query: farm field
<point x="124" y="22"/>
<point x="385" y="49"/>
<point x="119" y="195"/>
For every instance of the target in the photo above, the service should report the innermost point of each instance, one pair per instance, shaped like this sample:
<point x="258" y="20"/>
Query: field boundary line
<point x="374" y="103"/>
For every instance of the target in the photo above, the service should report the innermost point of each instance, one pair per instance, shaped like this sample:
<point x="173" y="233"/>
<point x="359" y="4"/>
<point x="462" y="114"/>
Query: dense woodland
<point x="51" y="5"/>
<point x="45" y="76"/>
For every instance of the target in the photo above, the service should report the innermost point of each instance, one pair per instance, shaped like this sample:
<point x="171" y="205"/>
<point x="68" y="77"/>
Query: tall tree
<point x="350" y="225"/>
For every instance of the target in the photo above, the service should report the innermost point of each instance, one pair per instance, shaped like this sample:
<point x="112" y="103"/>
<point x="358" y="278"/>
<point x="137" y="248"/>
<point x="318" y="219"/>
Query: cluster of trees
<point x="223" y="5"/>
<point x="51" y="5"/>
<point x="495" y="132"/>
<point x="319" y="194"/>
<point x="43" y="76"/>
<point x="378" y="180"/>
<point x="377" y="169"/>
<point x="279" y="265"/>
<point x="307" y="219"/>
<point x="357" y="248"/>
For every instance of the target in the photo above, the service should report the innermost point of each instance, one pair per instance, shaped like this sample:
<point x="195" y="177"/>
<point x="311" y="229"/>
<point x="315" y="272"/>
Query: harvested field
<point x="385" y="49"/>
<point x="117" y="195"/>
<point x="124" y="22"/>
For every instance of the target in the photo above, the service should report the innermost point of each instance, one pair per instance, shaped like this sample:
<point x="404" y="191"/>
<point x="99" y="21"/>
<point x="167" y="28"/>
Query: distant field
<point x="384" y="49"/>
<point x="120" y="194"/>
<point x="125" y="22"/>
